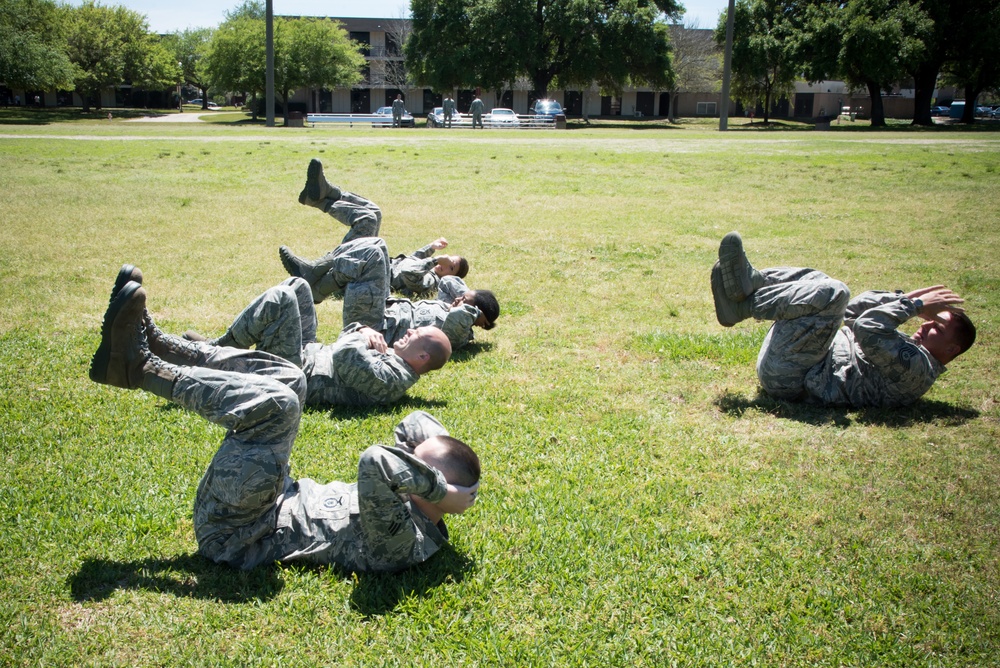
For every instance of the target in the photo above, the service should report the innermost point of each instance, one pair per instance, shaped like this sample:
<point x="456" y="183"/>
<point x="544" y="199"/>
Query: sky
<point x="166" y="16"/>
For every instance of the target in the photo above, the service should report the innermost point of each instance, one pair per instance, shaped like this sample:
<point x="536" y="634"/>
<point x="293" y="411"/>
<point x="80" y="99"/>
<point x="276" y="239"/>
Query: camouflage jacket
<point x="413" y="275"/>
<point x="455" y="322"/>
<point x="349" y="373"/>
<point x="370" y="525"/>
<point x="451" y="288"/>
<point x="870" y="363"/>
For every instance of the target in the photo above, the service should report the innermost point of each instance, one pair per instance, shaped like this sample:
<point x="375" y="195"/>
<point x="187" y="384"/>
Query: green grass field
<point x="641" y="503"/>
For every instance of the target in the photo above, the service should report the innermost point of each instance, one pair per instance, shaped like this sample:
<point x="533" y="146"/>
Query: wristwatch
<point x="918" y="304"/>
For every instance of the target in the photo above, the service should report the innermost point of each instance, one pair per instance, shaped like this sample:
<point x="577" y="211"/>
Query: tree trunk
<point x="878" y="110"/>
<point x="204" y="98"/>
<point x="672" y="107"/>
<point x="924" y="80"/>
<point x="767" y="106"/>
<point x="971" y="95"/>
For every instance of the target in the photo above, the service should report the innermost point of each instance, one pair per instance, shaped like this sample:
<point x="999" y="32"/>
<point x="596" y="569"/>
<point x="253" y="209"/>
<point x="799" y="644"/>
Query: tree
<point x="308" y="53"/>
<point x="974" y="66"/>
<point x="32" y="46"/>
<point x="111" y="45"/>
<point x="190" y="48"/>
<point x="438" y="50"/>
<point x="866" y="43"/>
<point x="394" y="73"/>
<point x="697" y="63"/>
<point x="236" y="57"/>
<point x="764" y="65"/>
<point x="319" y="54"/>
<point x="493" y="42"/>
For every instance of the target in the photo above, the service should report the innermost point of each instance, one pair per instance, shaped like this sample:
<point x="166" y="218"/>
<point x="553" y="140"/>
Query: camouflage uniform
<point x="809" y="354"/>
<point x="361" y="215"/>
<point x="359" y="271"/>
<point x="280" y="321"/>
<point x="349" y="373"/>
<point x="451" y="288"/>
<point x="456" y="322"/>
<point x="413" y="275"/>
<point x="247" y="509"/>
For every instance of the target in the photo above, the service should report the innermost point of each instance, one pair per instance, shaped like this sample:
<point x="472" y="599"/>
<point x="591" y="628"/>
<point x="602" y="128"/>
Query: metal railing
<point x="520" y="122"/>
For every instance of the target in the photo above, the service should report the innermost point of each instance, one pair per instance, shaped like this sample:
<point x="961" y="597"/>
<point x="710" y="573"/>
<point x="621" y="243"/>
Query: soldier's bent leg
<point x="360" y="214"/>
<point x="808" y="308"/>
<point x="357" y="261"/>
<point x="273" y="322"/>
<point x="257" y="397"/>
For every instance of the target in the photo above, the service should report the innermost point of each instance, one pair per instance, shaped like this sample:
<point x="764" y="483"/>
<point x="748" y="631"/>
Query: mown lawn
<point x="642" y="504"/>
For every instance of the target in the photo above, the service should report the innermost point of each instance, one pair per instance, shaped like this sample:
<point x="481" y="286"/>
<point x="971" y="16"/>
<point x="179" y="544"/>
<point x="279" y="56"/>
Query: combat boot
<point x="318" y="192"/>
<point x="123" y="359"/>
<point x="170" y="348"/>
<point x="727" y="311"/>
<point x="128" y="272"/>
<point x="296" y="266"/>
<point x="739" y="278"/>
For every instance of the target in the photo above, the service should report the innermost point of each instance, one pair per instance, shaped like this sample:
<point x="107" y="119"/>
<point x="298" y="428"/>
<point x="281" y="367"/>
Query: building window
<point x="705" y="109"/>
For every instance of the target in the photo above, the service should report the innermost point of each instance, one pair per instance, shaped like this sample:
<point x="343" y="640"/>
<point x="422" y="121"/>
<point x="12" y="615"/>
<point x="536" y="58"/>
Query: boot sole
<point x="313" y="176"/>
<point x="128" y="272"/>
<point x="734" y="267"/>
<point x="102" y="357"/>
<point x="724" y="312"/>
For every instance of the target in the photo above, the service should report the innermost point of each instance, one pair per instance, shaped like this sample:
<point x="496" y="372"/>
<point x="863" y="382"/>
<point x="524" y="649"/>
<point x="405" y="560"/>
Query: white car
<point x="502" y="118"/>
<point x="386" y="122"/>
<point x="197" y="102"/>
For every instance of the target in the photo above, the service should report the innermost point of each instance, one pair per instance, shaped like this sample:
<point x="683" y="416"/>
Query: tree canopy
<point x="32" y="46"/>
<point x="111" y="45"/>
<point x="764" y="63"/>
<point x="492" y="43"/>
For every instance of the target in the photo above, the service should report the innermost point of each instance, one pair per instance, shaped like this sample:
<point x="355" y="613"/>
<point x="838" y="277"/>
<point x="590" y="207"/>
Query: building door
<point x="574" y="103"/>
<point x="804" y="105"/>
<point x="464" y="100"/>
<point x="361" y="101"/>
<point x="644" y="104"/>
<point x="664" y="104"/>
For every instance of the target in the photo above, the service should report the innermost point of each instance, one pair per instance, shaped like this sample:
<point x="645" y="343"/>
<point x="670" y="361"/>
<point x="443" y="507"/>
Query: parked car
<point x="995" y="113"/>
<point x="198" y="103"/>
<point x="546" y="108"/>
<point x="435" y="119"/>
<point x="406" y="122"/>
<point x="502" y="118"/>
<point x="940" y="111"/>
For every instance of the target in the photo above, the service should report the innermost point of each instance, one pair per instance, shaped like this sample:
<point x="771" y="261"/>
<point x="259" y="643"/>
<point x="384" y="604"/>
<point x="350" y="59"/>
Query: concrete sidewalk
<point x="186" y="117"/>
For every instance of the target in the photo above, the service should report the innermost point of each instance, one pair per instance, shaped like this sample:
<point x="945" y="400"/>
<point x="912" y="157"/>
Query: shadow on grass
<point x="189" y="575"/>
<point x="467" y="352"/>
<point x="352" y="412"/>
<point x="379" y="593"/>
<point x="50" y="115"/>
<point x="923" y="411"/>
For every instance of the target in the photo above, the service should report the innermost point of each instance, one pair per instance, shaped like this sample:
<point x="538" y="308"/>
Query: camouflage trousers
<point x="363" y="216"/>
<point x="808" y="309"/>
<point x="281" y="321"/>
<point x="359" y="271"/>
<point x="257" y="398"/>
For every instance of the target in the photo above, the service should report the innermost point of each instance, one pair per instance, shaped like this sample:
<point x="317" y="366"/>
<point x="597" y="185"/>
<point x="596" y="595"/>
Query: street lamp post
<point x="727" y="68"/>
<point x="269" y="74"/>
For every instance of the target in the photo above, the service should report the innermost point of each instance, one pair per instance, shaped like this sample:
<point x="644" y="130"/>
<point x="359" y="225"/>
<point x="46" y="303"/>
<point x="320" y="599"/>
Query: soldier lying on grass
<point x="248" y="510"/>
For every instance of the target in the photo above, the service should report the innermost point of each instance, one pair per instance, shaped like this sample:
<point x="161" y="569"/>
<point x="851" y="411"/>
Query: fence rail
<point x="522" y="122"/>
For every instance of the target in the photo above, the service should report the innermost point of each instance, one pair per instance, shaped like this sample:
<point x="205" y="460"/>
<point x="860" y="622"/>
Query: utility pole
<point x="727" y="68"/>
<point x="269" y="76"/>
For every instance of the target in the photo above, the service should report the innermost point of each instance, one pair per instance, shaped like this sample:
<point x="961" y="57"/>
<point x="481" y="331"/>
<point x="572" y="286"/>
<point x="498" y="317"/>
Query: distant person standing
<point x="476" y="109"/>
<point x="397" y="111"/>
<point x="448" y="106"/>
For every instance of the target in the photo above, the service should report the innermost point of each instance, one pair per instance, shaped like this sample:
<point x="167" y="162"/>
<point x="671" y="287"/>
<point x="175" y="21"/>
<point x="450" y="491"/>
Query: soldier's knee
<point x="299" y="288"/>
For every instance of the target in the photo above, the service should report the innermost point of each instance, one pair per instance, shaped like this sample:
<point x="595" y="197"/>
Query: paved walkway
<point x="186" y="117"/>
